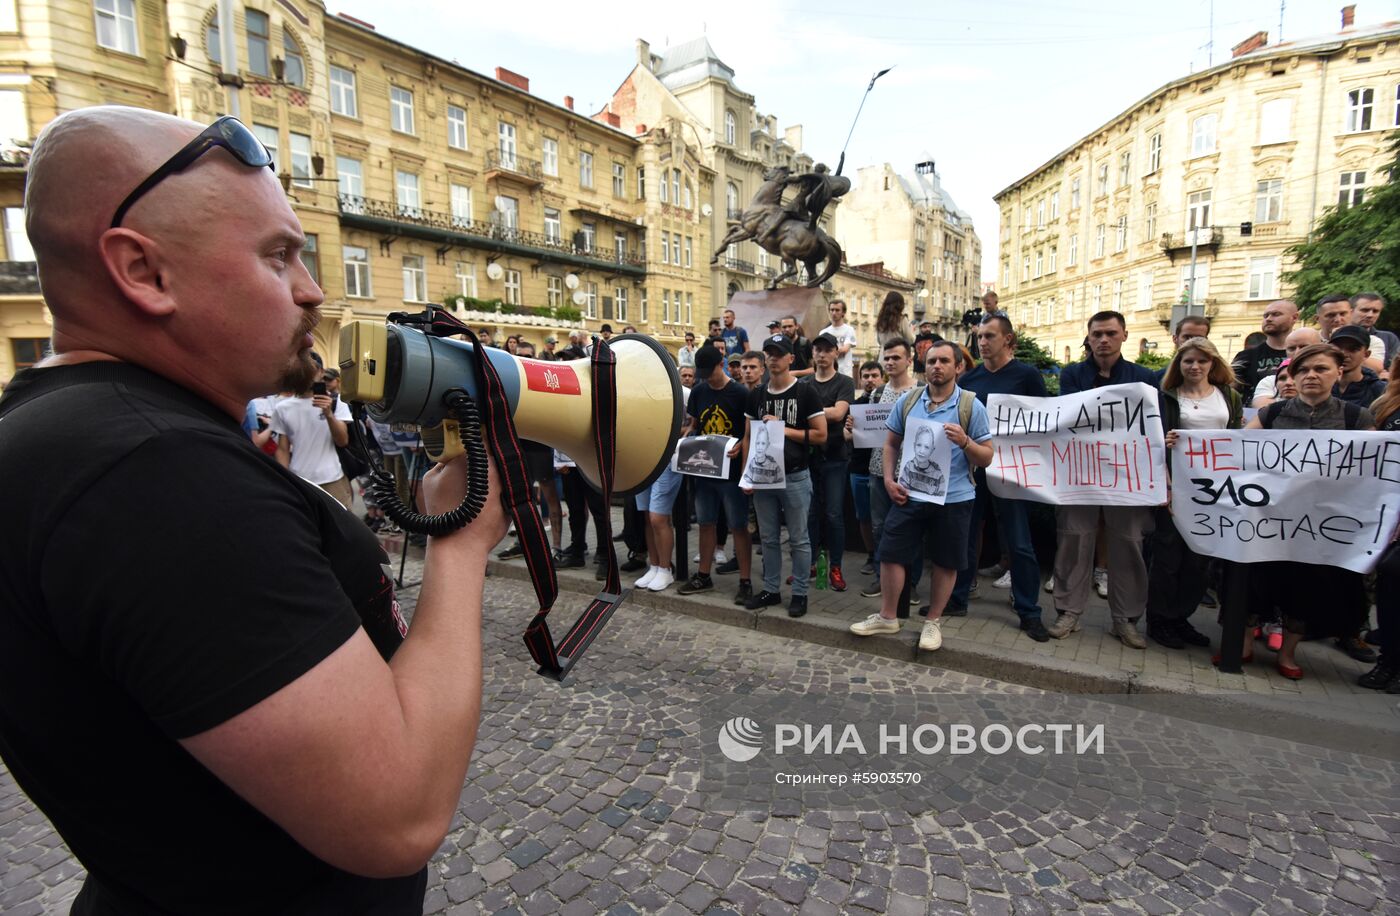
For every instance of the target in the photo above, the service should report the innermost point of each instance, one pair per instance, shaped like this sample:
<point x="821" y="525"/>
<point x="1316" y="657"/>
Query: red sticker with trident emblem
<point x="551" y="378"/>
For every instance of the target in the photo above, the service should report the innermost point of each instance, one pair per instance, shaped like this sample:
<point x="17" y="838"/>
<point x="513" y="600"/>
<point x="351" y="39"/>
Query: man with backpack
<point x="901" y="546"/>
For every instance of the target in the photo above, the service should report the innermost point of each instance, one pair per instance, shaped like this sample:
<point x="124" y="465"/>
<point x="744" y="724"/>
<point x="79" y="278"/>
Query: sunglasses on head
<point x="227" y="132"/>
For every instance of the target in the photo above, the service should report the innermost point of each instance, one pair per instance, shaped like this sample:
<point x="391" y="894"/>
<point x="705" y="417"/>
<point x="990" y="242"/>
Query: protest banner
<point x="703" y="456"/>
<point x="765" y="469"/>
<point x="1103" y="447"/>
<point x="1314" y="496"/>
<point x="868" y="424"/>
<point x="927" y="454"/>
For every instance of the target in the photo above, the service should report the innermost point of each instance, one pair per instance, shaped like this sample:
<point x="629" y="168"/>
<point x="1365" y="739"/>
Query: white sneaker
<point x="695" y="559"/>
<point x="645" y="580"/>
<point x="720" y="558"/>
<point x="663" y="578"/>
<point x="932" y="636"/>
<point x="1004" y="581"/>
<point x="1101" y="581"/>
<point x="875" y="624"/>
<point x="1050" y="584"/>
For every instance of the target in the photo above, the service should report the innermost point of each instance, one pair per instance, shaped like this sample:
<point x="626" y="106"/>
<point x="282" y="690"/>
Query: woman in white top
<point x="1198" y="392"/>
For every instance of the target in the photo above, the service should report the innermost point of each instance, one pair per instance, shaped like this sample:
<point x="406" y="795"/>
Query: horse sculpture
<point x="789" y="230"/>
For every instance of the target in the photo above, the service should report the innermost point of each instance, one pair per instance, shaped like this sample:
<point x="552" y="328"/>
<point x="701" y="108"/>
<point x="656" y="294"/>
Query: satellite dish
<point x="494" y="271"/>
<point x="571" y="281"/>
<point x="706" y="209"/>
<point x="501" y="205"/>
<point x="580" y="297"/>
<point x="923" y="293"/>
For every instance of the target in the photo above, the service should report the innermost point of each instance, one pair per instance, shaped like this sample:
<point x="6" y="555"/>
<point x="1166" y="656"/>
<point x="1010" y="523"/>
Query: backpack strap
<point x="910" y="400"/>
<point x="965" y="401"/>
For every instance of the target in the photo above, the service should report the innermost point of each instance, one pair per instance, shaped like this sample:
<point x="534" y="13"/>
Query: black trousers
<point x="582" y="501"/>
<point x="1177" y="581"/>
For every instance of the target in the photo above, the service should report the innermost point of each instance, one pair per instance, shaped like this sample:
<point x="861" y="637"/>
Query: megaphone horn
<point x="403" y="374"/>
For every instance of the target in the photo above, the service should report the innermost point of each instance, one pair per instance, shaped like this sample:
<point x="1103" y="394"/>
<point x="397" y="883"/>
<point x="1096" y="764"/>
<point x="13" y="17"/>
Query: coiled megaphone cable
<point x="462" y="409"/>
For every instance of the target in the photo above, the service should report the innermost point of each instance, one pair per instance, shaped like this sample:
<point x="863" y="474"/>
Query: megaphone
<point x="403" y="374"/>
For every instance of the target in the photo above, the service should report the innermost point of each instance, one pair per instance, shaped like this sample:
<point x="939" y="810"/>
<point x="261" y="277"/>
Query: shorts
<point x="539" y="466"/>
<point x="948" y="529"/>
<point x="661" y="495"/>
<point x="711" y="495"/>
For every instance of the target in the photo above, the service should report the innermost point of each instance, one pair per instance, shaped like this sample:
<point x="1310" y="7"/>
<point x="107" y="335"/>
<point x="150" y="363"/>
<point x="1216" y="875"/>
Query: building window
<point x="456" y="127"/>
<point x="642" y="306"/>
<point x="406" y="186"/>
<point x="1203" y="135"/>
<point x="1055" y="206"/>
<point x="1117" y="299"/>
<point x="689" y="308"/>
<point x="415" y="279"/>
<point x="1144" y="299"/>
<point x="665" y="248"/>
<point x="1151" y="220"/>
<point x="1097" y="301"/>
<point x="1202" y="290"/>
<point x="664" y="187"/>
<point x="553" y="226"/>
<point x="641" y="183"/>
<point x="357" y="276"/>
<point x="1263" y="278"/>
<point x="620" y="246"/>
<point x="1268" y="201"/>
<point x="666" y="306"/>
<point x="731" y="200"/>
<point x="460" y="200"/>
<point x="1198" y="210"/>
<point x="1054" y="258"/>
<point x="512" y="284"/>
<point x="620" y="302"/>
<point x="1120" y="238"/>
<point x="590" y="237"/>
<point x="1275" y="116"/>
<point x="1005" y="273"/>
<point x="688" y="253"/>
<point x="591" y="300"/>
<point x="1353" y="189"/>
<point x="466" y="278"/>
<point x="1359" y="105"/>
<point x="310" y="259"/>
<point x="212" y="47"/>
<point x="344" y="100"/>
<point x="301" y="160"/>
<point x="508" y="216"/>
<point x="676" y="186"/>
<point x="116" y="25"/>
<point x="554" y="291"/>
<point x="1039" y="263"/>
<point x="401" y="110"/>
<point x="1040" y="213"/>
<point x="1074" y="196"/>
<point x="351" y="180"/>
<point x="1025" y="268"/>
<point x="676" y="249"/>
<point x="549" y="155"/>
<point x="1099" y="235"/>
<point x="731" y="127"/>
<point x="259" y="45"/>
<point x="686" y="202"/>
<point x="505" y="144"/>
<point x="1125" y="169"/>
<point x="17" y="247"/>
<point x="267" y="136"/>
<point x="1154" y="152"/>
<point x="1069" y="308"/>
<point x="1103" y="179"/>
<point x="294" y="71"/>
<point x="585" y="170"/>
<point x="619" y="180"/>
<point x="1073" y="256"/>
<point x="27" y="351"/>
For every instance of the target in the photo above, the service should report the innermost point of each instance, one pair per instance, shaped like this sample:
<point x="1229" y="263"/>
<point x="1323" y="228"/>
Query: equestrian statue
<point x="789" y="228"/>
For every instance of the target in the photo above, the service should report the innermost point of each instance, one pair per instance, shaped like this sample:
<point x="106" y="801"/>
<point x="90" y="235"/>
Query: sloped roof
<point x="690" y="62"/>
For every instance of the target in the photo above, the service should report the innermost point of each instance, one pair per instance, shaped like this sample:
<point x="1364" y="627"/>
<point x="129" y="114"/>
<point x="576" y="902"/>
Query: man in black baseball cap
<point x="826" y="521"/>
<point x="1358" y="384"/>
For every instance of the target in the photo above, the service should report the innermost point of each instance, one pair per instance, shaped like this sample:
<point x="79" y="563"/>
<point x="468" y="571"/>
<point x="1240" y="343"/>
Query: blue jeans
<point x="828" y="513"/>
<point x="1014" y="530"/>
<point x="860" y="496"/>
<point x="793" y="502"/>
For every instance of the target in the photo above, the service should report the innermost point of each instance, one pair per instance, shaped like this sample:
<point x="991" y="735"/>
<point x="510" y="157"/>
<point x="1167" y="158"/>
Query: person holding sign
<point x="799" y="409"/>
<point x="826" y="525"/>
<point x="871" y="376"/>
<point x="1124" y="526"/>
<point x="902" y="541"/>
<point x="1198" y="392"/>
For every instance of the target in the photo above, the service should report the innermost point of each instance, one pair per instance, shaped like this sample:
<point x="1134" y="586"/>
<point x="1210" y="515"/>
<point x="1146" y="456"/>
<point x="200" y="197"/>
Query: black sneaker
<point x="1035" y="629"/>
<point x="727" y="567"/>
<point x="633" y="563"/>
<point x="745" y="592"/>
<point x="798" y="606"/>
<point x="1190" y="635"/>
<point x="1357" y="648"/>
<point x="1382" y="676"/>
<point x="952" y="611"/>
<point x="568" y="559"/>
<point x="511" y="552"/>
<point x="1164" y="634"/>
<point x="764" y="598"/>
<point x="699" y="582"/>
<point x="600" y="569"/>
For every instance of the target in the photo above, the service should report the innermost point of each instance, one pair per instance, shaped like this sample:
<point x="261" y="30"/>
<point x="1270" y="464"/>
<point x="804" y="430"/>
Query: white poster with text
<point x="868" y="424"/>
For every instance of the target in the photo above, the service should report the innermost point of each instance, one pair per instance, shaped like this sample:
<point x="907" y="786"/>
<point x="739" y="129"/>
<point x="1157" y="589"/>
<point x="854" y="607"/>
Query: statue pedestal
<point x="753" y="309"/>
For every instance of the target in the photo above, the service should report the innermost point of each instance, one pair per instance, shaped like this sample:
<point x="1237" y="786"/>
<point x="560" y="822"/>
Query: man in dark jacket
<point x="1358" y="384"/>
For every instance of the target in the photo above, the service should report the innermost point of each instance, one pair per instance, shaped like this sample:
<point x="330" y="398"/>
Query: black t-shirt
<point x="116" y="641"/>
<point x="837" y="388"/>
<point x="1252" y="365"/>
<point x="798" y="407"/>
<point x="720" y="413"/>
<point x="860" y="457"/>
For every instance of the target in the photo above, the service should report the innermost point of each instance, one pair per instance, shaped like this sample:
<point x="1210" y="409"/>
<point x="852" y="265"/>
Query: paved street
<point x="599" y="796"/>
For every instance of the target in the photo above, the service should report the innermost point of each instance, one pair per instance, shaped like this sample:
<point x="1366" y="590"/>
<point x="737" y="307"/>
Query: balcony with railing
<point x="392" y="219"/>
<point x="740" y="265"/>
<point x="733" y="214"/>
<point x="501" y="164"/>
<point x="1203" y="238"/>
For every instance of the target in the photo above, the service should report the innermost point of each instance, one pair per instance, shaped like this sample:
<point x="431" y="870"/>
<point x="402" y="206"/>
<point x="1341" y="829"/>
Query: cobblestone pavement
<point x="597" y="796"/>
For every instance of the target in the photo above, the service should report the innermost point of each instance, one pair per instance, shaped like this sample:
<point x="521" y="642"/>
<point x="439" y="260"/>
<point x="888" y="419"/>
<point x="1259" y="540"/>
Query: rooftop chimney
<point x="569" y="102"/>
<point x="1348" y="15"/>
<point x="513" y="79"/>
<point x="612" y="119"/>
<point x="1252" y="43"/>
<point x="644" y="53"/>
<point x="641" y="129"/>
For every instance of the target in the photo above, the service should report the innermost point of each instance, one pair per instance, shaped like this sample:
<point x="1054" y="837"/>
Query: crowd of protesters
<point x="1334" y="376"/>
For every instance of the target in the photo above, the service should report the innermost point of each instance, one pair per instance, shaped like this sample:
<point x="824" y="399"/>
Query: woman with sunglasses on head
<point x="1316" y="600"/>
<point x="1386" y="675"/>
<point x="1198" y="392"/>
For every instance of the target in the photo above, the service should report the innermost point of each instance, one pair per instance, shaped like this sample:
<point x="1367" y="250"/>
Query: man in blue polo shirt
<point x="1124" y="526"/>
<point x="902" y="540"/>
<point x="1002" y="373"/>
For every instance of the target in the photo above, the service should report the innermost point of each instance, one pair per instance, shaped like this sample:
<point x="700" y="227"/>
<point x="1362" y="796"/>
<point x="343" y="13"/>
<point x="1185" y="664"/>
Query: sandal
<point x="1292" y="672"/>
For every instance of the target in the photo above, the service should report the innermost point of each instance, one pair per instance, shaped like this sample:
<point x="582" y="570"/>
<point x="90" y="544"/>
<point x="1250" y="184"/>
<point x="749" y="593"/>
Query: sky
<point x="991" y="89"/>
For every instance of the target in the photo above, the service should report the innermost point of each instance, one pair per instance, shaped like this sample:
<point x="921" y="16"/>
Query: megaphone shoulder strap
<point x="498" y="428"/>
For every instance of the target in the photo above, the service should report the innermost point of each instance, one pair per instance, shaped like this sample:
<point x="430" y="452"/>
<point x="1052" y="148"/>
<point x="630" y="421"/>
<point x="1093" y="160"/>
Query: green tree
<point x="1028" y="351"/>
<point x="1355" y="249"/>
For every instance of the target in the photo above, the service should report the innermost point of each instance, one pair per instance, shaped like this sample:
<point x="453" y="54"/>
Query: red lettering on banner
<point x="1217" y="455"/>
<point x="1026" y="464"/>
<point x="551" y="378"/>
<point x="1195" y="448"/>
